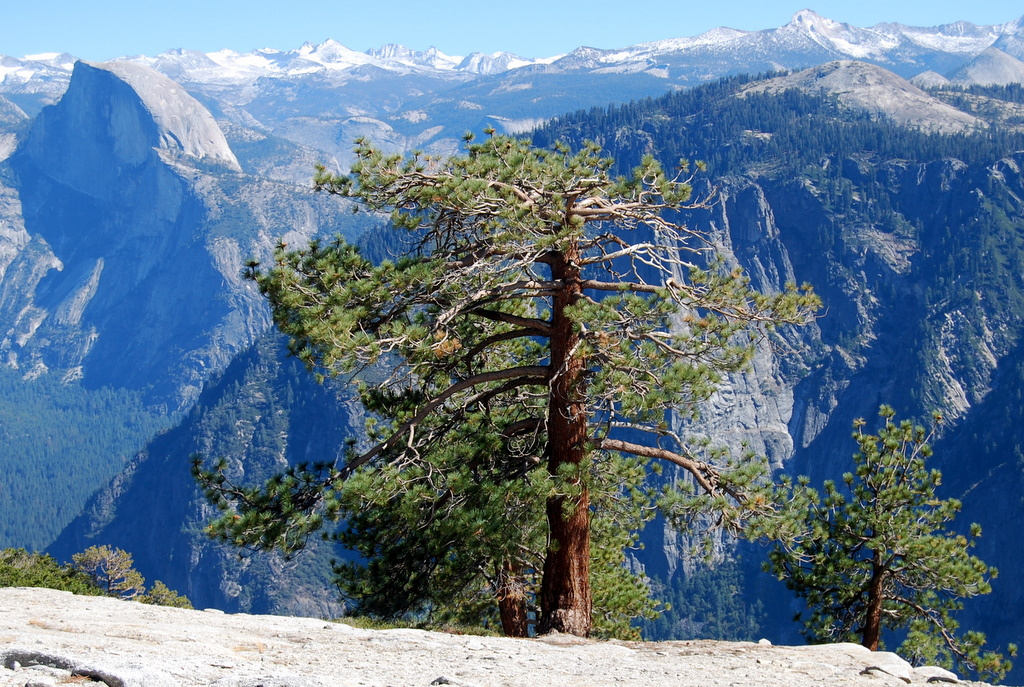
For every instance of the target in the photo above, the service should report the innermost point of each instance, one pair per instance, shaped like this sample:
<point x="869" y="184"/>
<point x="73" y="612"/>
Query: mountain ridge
<point x="872" y="89"/>
<point x="326" y="95"/>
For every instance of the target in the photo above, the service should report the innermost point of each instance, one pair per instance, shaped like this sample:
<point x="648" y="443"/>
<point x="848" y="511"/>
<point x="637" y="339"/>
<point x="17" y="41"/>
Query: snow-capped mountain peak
<point x="431" y="57"/>
<point x="332" y="55"/>
<point x="715" y="37"/>
<point x="808" y="38"/>
<point x="495" y="63"/>
<point x="812" y="21"/>
<point x="841" y="37"/>
<point x="30" y="64"/>
<point x="258" y="60"/>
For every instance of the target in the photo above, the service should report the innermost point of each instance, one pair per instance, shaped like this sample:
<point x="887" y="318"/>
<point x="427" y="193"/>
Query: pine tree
<point x="876" y="553"/>
<point x="545" y="319"/>
<point x="161" y="595"/>
<point x="112" y="571"/>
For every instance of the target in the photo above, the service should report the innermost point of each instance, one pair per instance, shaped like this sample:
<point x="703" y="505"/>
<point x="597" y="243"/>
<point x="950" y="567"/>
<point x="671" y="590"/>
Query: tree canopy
<point x="520" y="356"/>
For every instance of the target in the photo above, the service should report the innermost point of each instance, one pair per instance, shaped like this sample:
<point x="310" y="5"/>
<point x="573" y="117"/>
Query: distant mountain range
<point x="906" y="50"/>
<point x="325" y="95"/>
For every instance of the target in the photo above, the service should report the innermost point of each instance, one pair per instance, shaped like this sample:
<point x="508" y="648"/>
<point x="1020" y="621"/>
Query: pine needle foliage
<point x="112" y="570"/>
<point x="519" y="362"/>
<point x="877" y="553"/>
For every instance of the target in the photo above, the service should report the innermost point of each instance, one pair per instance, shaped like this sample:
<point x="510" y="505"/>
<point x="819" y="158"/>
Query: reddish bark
<point x="511" y="595"/>
<point x="565" y="588"/>
<point x="872" y="632"/>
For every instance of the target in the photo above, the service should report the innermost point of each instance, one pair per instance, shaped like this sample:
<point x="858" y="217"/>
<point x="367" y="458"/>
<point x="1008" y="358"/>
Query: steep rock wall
<point x="142" y="220"/>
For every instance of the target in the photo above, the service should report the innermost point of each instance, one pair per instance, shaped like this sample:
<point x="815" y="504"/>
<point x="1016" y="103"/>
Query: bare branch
<point x="705" y="474"/>
<point x="538" y="372"/>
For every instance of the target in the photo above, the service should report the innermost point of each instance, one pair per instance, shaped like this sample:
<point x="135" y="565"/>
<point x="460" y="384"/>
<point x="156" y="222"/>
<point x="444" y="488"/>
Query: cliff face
<point x="119" y="219"/>
<point x="140" y="223"/>
<point x="923" y="306"/>
<point x="923" y="316"/>
<point x="125" y="222"/>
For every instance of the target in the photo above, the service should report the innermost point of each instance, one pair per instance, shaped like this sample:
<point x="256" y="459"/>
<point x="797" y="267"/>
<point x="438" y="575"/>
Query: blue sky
<point x="104" y="29"/>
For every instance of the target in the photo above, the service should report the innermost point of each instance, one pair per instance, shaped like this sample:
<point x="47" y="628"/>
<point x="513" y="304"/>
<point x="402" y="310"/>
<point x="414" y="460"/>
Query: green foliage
<point x="545" y="315"/>
<point x="1010" y="93"/>
<point x="622" y="505"/>
<point x="437" y="543"/>
<point x="950" y="200"/>
<point x="876" y="553"/>
<point x="19" y="568"/>
<point x="111" y="570"/>
<point x="373" y="623"/>
<point x="97" y="571"/>
<point x="160" y="595"/>
<point x="435" y="536"/>
<point x="988" y="102"/>
<point x="778" y="134"/>
<point x="710" y="602"/>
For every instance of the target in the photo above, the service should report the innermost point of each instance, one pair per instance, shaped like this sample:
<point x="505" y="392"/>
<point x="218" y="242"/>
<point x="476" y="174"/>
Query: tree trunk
<point x="872" y="632"/>
<point x="565" y="588"/>
<point x="511" y="595"/>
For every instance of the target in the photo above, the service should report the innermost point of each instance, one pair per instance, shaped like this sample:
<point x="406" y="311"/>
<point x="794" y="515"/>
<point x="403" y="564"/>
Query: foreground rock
<point x="47" y="636"/>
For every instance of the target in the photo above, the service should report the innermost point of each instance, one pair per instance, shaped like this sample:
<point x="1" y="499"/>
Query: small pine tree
<point x="97" y="571"/>
<point x="875" y="554"/>
<point x="160" y="595"/>
<point x="111" y="570"/>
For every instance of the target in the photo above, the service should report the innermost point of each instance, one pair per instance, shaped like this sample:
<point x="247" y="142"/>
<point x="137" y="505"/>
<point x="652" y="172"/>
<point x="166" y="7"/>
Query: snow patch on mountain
<point x="250" y="65"/>
<point x="517" y="126"/>
<point x="959" y="38"/>
<point x="803" y="38"/>
<point x="45" y="74"/>
<point x="60" y="60"/>
<point x="715" y="37"/>
<point x="431" y="57"/>
<point x="841" y="37"/>
<point x="329" y="57"/>
<point x="495" y="63"/>
<point x="332" y="55"/>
